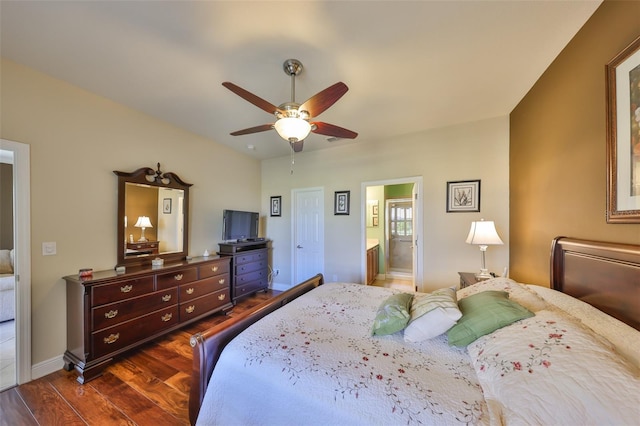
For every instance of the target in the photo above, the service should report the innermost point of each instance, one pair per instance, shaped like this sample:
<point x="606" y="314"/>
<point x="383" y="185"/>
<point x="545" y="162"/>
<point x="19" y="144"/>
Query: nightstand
<point x="468" y="278"/>
<point x="143" y="247"/>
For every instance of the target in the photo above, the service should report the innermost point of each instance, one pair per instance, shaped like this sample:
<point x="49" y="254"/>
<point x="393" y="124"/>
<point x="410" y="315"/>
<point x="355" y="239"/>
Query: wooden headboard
<point x="605" y="275"/>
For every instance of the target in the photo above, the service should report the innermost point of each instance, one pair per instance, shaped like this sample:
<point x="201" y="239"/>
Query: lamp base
<point x="483" y="274"/>
<point x="142" y="240"/>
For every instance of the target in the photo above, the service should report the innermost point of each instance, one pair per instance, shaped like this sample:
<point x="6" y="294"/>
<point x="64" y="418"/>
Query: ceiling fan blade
<point x="256" y="129"/>
<point x="256" y="100"/>
<point x="333" y="130"/>
<point x="297" y="146"/>
<point x="319" y="102"/>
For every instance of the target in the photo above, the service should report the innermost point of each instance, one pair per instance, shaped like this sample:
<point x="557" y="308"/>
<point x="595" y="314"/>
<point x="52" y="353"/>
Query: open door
<point x="401" y="237"/>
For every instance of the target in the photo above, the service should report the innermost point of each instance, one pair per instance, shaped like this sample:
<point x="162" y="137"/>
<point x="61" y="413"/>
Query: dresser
<point x="249" y="266"/>
<point x="109" y="313"/>
<point x="143" y="247"/>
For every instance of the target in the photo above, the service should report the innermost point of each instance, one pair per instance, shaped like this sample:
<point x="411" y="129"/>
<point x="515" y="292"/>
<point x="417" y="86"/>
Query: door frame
<point x="22" y="243"/>
<point x="418" y="266"/>
<point x="294" y="225"/>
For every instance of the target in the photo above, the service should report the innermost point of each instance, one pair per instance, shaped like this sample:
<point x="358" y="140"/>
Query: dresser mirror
<point x="153" y="216"/>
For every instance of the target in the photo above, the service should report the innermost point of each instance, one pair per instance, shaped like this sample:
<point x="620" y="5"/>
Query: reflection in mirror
<point x="152" y="216"/>
<point x="162" y="208"/>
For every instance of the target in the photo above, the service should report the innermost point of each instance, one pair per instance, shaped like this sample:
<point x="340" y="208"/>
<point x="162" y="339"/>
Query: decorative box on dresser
<point x="249" y="266"/>
<point x="109" y="313"/>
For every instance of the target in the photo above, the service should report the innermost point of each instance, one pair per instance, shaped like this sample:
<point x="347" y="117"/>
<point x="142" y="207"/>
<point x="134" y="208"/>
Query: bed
<point x="308" y="356"/>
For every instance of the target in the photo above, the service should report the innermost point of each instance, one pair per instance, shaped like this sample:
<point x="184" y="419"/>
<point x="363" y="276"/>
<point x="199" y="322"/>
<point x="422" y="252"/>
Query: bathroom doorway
<point x="392" y="219"/>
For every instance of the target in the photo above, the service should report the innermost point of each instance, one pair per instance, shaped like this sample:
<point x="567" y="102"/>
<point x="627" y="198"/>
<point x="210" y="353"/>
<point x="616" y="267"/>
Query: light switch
<point x="48" y="248"/>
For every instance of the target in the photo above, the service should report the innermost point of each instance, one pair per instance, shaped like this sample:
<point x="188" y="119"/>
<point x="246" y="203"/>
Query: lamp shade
<point x="143" y="222"/>
<point x="483" y="233"/>
<point x="292" y="129"/>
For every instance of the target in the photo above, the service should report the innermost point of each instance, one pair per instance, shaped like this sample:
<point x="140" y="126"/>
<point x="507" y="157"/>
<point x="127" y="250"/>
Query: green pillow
<point x="393" y="314"/>
<point x="484" y="313"/>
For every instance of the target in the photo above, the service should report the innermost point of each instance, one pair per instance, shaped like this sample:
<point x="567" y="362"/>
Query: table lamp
<point x="483" y="233"/>
<point x="143" y="222"/>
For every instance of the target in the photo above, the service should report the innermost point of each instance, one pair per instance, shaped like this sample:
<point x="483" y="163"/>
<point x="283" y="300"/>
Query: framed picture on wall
<point x="166" y="206"/>
<point x="463" y="196"/>
<point x="341" y="203"/>
<point x="276" y="205"/>
<point x="623" y="136"/>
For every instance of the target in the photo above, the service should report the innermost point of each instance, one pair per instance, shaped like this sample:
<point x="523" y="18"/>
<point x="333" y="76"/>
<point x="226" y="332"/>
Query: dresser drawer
<point x="204" y="304"/>
<point x="202" y="287"/>
<point x="250" y="287"/>
<point x="115" y="313"/>
<point x="251" y="256"/>
<point x="121" y="290"/>
<point x="120" y="336"/>
<point x="251" y="276"/>
<point x="253" y="266"/>
<point x="217" y="268"/>
<point x="175" y="278"/>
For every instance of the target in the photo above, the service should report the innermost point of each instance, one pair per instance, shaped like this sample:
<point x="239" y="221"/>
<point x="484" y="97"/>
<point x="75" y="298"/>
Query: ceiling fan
<point x="293" y="119"/>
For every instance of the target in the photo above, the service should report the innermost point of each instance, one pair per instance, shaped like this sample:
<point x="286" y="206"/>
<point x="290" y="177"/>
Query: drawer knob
<point x="166" y="297"/>
<point x="167" y="317"/>
<point x="222" y="297"/>
<point x="190" y="309"/>
<point x="214" y="268"/>
<point x="221" y="281"/>
<point x="111" y="314"/>
<point x="178" y="277"/>
<point x="190" y="290"/>
<point x="112" y="338"/>
<point x="126" y="288"/>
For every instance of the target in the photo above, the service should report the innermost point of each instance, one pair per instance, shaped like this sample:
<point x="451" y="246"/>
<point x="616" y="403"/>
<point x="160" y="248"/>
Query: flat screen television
<point x="239" y="226"/>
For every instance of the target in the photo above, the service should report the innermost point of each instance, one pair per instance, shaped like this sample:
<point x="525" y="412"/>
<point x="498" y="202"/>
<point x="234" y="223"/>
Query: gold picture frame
<point x="623" y="135"/>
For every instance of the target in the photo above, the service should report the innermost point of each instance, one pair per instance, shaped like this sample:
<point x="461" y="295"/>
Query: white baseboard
<point x="49" y="366"/>
<point x="280" y="286"/>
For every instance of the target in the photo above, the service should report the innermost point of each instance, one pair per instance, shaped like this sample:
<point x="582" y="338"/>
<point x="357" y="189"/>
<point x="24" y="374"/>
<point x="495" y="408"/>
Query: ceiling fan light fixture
<point x="292" y="128"/>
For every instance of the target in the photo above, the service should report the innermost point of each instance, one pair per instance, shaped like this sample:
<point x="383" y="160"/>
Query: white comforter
<point x="314" y="361"/>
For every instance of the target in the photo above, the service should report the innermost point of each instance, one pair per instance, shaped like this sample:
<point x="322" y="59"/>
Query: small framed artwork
<point x="375" y="221"/>
<point x="166" y="206"/>
<point x="341" y="203"/>
<point x="463" y="196"/>
<point x="276" y="202"/>
<point x="623" y="136"/>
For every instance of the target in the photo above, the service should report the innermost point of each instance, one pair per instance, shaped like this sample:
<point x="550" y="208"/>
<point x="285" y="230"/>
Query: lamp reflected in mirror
<point x="143" y="222"/>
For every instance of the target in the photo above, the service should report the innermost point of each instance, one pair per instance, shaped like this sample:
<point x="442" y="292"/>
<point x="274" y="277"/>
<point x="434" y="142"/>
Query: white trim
<point x="22" y="242"/>
<point x="418" y="214"/>
<point x="49" y="366"/>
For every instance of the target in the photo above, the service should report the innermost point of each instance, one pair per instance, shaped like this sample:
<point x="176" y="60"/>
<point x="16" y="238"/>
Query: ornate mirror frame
<point x="153" y="178"/>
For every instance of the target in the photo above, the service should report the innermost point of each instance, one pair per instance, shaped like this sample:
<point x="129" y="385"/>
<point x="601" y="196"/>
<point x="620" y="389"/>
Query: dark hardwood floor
<point x="147" y="386"/>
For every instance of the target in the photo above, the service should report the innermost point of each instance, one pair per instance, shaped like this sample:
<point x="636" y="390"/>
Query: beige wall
<point x="76" y="140"/>
<point x="557" y="148"/>
<point x="476" y="150"/>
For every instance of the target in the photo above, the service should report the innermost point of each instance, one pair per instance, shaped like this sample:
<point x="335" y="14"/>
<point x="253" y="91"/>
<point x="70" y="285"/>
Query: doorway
<point x="308" y="233"/>
<point x="396" y="227"/>
<point x="17" y="368"/>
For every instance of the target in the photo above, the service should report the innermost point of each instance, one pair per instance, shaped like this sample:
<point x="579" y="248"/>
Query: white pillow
<point x="432" y="314"/>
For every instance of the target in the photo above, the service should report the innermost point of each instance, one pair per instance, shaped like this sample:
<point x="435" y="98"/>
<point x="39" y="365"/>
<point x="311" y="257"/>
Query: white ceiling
<point x="410" y="66"/>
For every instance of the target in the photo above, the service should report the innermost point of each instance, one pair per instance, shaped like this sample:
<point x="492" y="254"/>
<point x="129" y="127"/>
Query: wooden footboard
<point x="208" y="345"/>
